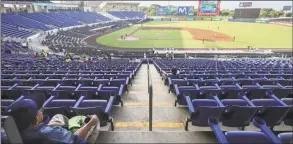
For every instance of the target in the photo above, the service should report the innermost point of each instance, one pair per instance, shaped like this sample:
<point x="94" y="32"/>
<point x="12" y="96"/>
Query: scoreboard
<point x="208" y="7"/>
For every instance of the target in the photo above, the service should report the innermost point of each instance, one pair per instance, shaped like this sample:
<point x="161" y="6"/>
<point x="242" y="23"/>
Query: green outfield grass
<point x="165" y="34"/>
<point x="247" y="34"/>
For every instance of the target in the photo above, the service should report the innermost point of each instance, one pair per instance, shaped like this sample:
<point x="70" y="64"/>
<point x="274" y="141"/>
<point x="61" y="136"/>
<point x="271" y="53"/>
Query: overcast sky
<point x="277" y="5"/>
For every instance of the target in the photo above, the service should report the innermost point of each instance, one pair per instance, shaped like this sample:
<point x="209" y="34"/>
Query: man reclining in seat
<point x="29" y="121"/>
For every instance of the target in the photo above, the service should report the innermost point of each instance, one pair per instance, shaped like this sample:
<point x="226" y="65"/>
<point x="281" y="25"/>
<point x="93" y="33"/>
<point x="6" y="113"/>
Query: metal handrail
<point x="150" y="91"/>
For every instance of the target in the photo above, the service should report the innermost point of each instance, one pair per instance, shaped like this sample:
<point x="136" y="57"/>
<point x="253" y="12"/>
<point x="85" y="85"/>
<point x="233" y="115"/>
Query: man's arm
<point x="83" y="132"/>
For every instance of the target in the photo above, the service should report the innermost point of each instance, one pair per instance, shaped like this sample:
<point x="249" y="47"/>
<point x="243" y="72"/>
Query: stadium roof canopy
<point x="119" y="3"/>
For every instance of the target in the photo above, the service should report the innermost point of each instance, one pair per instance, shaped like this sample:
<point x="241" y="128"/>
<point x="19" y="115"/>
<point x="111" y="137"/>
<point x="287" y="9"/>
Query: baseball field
<point x="200" y="34"/>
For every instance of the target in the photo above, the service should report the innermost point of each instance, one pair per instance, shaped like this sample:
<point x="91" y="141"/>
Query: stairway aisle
<point x="131" y="121"/>
<point x="134" y="116"/>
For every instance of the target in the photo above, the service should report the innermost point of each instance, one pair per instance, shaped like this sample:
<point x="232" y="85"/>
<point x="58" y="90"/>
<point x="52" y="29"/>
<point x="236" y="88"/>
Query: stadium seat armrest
<point x="131" y="75"/>
<point x="280" y="85"/>
<point x="169" y="81"/>
<point x="189" y="104"/>
<point x="218" y="87"/>
<point x="100" y="86"/>
<point x="127" y="80"/>
<point x="48" y="101"/>
<point x="109" y="105"/>
<point x="218" y="101"/>
<point x="237" y="84"/>
<point x="79" y="85"/>
<point x="78" y="102"/>
<point x="196" y="86"/>
<point x="58" y="85"/>
<point x="15" y="85"/>
<point x="266" y="130"/>
<point x="218" y="132"/>
<point x="258" y="85"/>
<point x="20" y="98"/>
<point x="177" y="92"/>
<point x="121" y="89"/>
<point x="272" y="96"/>
<point x="247" y="100"/>
<point x="35" y="86"/>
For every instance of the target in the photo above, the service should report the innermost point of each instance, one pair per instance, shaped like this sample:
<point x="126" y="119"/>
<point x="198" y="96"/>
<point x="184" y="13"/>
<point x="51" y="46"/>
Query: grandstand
<point x="52" y="53"/>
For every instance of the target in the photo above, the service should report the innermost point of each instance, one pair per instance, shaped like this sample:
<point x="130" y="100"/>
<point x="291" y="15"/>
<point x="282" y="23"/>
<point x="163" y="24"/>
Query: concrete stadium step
<point x="156" y="137"/>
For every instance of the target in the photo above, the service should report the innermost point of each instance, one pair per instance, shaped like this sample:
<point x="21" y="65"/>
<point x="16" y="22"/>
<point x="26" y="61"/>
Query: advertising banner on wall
<point x="245" y="4"/>
<point x="182" y="19"/>
<point x="174" y="19"/>
<point x="216" y="19"/>
<point x="166" y="19"/>
<point x="172" y="10"/>
<point x="208" y="7"/>
<point x="207" y="19"/>
<point x="185" y="10"/>
<point x="190" y="19"/>
<point x="157" y="19"/>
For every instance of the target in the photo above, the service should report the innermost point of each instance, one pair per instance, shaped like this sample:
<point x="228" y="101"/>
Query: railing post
<point x="150" y="91"/>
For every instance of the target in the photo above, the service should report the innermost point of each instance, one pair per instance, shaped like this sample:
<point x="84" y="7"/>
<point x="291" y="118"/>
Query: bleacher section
<point x="232" y="91"/>
<point x="60" y="85"/>
<point x="12" y="22"/>
<point x="127" y="14"/>
<point x="9" y="47"/>
<point x="13" y="31"/>
<point x="72" y="40"/>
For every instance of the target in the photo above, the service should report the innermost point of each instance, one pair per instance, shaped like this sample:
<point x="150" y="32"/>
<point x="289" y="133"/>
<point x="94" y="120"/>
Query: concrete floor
<point x="131" y="121"/>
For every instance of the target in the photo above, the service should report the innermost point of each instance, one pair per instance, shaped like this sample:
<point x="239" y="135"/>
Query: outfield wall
<point x="210" y="19"/>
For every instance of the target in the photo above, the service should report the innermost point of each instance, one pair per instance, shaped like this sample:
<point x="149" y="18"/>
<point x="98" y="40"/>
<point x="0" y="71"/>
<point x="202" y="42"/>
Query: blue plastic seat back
<point x="257" y="93"/>
<point x="204" y="108"/>
<point x="284" y="93"/>
<point x="59" y="106"/>
<point x="63" y="94"/>
<point x="246" y="137"/>
<point x="179" y="82"/>
<point x="93" y="103"/>
<point x="70" y="82"/>
<point x="192" y="92"/>
<point x="232" y="93"/>
<point x="86" y="82"/>
<point x="272" y="112"/>
<point x="117" y="82"/>
<point x="122" y="76"/>
<point x="5" y="82"/>
<point x="289" y="116"/>
<point x="238" y="113"/>
<point x="101" y="81"/>
<point x="51" y="82"/>
<point x="106" y="94"/>
<point x="11" y="94"/>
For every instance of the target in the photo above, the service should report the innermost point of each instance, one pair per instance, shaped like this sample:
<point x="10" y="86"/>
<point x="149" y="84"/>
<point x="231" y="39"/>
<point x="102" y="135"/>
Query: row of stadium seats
<point x="72" y="40"/>
<point x="11" y="22"/>
<point x="233" y="91"/>
<point x="14" y="31"/>
<point x="263" y="135"/>
<point x="66" y="88"/>
<point x="11" y="46"/>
